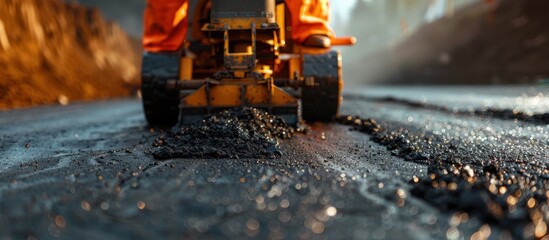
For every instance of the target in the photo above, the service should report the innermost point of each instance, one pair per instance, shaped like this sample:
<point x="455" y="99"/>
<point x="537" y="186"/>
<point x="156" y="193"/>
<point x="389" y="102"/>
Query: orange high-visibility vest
<point x="165" y="26"/>
<point x="166" y="22"/>
<point x="309" y="17"/>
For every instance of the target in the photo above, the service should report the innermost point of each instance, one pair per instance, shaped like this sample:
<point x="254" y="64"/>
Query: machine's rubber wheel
<point x="321" y="102"/>
<point x="161" y="105"/>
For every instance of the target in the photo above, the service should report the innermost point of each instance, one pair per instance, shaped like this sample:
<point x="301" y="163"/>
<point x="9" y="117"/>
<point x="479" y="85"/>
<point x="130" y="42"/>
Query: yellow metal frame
<point x="186" y="69"/>
<point x="242" y="89"/>
<point x="237" y="93"/>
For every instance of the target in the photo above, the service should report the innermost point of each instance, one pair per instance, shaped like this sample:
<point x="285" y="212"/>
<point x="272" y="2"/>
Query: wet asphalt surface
<point x="401" y="163"/>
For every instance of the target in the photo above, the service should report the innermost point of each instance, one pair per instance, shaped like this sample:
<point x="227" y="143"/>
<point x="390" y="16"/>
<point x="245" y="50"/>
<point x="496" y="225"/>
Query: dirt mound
<point x="480" y="44"/>
<point x="237" y="133"/>
<point x="54" y="52"/>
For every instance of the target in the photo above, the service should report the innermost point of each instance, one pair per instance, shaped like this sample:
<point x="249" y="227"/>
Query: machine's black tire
<point x="161" y="105"/>
<point x="321" y="103"/>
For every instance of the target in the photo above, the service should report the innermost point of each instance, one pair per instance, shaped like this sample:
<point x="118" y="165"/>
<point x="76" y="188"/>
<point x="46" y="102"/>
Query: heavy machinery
<point x="239" y="56"/>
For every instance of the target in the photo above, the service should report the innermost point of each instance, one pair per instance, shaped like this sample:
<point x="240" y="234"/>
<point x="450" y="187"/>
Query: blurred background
<point x="54" y="51"/>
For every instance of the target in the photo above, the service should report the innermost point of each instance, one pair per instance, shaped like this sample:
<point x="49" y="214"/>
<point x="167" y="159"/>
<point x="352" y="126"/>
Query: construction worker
<point x="166" y="24"/>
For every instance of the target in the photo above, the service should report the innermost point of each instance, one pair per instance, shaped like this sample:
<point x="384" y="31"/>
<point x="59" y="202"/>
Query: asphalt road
<point x="85" y="171"/>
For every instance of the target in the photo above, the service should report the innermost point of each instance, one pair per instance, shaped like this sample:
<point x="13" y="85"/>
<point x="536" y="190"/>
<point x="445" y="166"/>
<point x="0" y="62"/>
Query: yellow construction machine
<point x="240" y="55"/>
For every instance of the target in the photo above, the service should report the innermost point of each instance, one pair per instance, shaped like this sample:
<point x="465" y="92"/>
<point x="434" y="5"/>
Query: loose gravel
<point x="511" y="192"/>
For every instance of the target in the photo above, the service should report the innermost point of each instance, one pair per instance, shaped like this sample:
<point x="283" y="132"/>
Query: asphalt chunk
<point x="502" y="187"/>
<point x="235" y="133"/>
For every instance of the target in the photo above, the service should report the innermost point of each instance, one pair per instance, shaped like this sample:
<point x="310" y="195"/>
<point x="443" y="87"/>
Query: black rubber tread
<point x="321" y="103"/>
<point x="161" y="106"/>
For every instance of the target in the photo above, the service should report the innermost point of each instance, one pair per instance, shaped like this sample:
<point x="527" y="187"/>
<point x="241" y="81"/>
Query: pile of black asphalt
<point x="506" y="189"/>
<point x="235" y="133"/>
